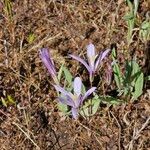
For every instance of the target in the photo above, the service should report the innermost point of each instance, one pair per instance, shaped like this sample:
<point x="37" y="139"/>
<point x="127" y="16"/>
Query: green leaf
<point x="68" y="75"/>
<point x="11" y="100"/>
<point x="148" y="78"/>
<point x="90" y="107"/>
<point x="4" y="102"/>
<point x="60" y="72"/>
<point x="110" y="100"/>
<point x="138" y="87"/>
<point x="145" y="25"/>
<point x="31" y="38"/>
<point x="128" y="17"/>
<point x="136" y="71"/>
<point x="63" y="108"/>
<point x="144" y="32"/>
<point x="83" y="90"/>
<point x="130" y="5"/>
<point x="136" y="5"/>
<point x="116" y="70"/>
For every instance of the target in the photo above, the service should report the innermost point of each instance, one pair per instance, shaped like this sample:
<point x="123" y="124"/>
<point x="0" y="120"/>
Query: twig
<point x="94" y="133"/>
<point x="6" y="53"/>
<point x="136" y="133"/>
<point x="17" y="125"/>
<point x="47" y="39"/>
<point x="119" y="134"/>
<point x="88" y="129"/>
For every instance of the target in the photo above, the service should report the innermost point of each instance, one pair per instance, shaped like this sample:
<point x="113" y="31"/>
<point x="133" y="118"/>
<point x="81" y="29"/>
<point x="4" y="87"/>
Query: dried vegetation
<point x="65" y="27"/>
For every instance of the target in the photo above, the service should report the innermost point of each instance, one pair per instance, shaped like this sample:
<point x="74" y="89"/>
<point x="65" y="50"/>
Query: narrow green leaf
<point x="4" y="102"/>
<point x="110" y="100"/>
<point x="116" y="70"/>
<point x="68" y="75"/>
<point x="138" y="87"/>
<point x="60" y="72"/>
<point x="130" y="5"/>
<point x="11" y="100"/>
<point x="136" y="5"/>
<point x="63" y="108"/>
<point x="90" y="107"/>
<point x="148" y="78"/>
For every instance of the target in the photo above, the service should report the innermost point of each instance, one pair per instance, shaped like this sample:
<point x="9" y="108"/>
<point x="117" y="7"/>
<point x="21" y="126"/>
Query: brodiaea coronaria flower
<point x="75" y="99"/>
<point x="93" y="59"/>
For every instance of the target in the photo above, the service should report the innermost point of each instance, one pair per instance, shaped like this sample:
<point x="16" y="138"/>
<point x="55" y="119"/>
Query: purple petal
<point x="91" y="55"/>
<point x="82" y="61"/>
<point x="90" y="50"/>
<point x="89" y="92"/>
<point x="66" y="101"/>
<point x="104" y="54"/>
<point x="46" y="59"/>
<point x="74" y="113"/>
<point x="77" y="85"/>
<point x="101" y="57"/>
<point x="97" y="62"/>
<point x="45" y="50"/>
<point x="63" y="91"/>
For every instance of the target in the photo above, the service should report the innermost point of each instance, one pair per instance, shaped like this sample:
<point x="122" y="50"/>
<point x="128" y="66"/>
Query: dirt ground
<point x="66" y="26"/>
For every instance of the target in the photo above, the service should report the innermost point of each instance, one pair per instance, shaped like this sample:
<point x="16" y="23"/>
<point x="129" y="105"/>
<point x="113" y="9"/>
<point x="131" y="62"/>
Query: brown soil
<point x="65" y="27"/>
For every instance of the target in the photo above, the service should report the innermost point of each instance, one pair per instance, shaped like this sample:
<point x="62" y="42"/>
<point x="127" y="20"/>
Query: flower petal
<point x="77" y="85"/>
<point x="97" y="62"/>
<point x="91" y="55"/>
<point x="63" y="91"/>
<point x="104" y="54"/>
<point x="67" y="101"/>
<point x="46" y="59"/>
<point x="101" y="57"/>
<point x="45" y="50"/>
<point x="81" y="61"/>
<point x="74" y="113"/>
<point x="89" y="92"/>
<point x="90" y="50"/>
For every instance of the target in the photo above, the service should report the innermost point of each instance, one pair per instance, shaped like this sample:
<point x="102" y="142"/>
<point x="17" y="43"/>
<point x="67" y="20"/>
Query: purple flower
<point x="93" y="59"/>
<point x="49" y="64"/>
<point x="75" y="99"/>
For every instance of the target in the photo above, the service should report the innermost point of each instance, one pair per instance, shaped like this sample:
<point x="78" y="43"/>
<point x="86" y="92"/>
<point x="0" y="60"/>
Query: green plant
<point x="8" y="9"/>
<point x="91" y="106"/>
<point x="64" y="72"/>
<point x="130" y="83"/>
<point x="130" y="18"/>
<point x="31" y="38"/>
<point x="9" y="100"/>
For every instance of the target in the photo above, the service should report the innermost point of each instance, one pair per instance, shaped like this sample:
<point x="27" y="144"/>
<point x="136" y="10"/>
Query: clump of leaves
<point x="129" y="84"/>
<point x="72" y="95"/>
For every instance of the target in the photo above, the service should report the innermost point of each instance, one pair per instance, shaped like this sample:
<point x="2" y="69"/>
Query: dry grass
<point x="64" y="27"/>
